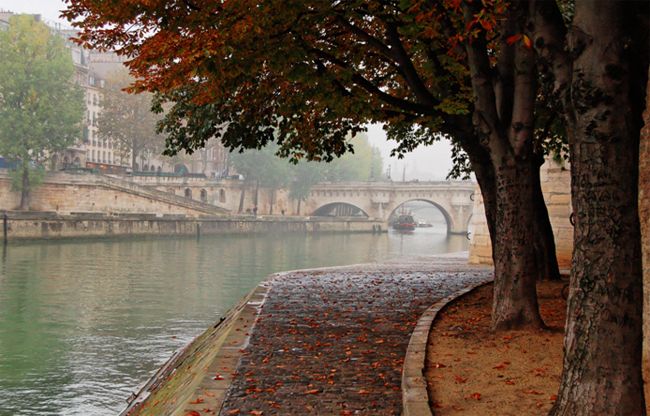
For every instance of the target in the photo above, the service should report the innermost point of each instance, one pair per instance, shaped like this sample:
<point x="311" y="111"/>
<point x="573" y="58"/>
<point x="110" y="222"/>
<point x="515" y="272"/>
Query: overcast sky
<point x="425" y="163"/>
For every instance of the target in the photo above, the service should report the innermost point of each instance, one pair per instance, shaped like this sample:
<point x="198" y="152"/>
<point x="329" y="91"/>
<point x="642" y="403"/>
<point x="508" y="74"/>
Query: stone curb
<point x="415" y="395"/>
<point x="229" y="327"/>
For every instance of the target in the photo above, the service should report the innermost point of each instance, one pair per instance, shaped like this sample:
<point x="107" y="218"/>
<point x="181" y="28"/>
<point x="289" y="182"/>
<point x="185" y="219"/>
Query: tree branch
<point x="412" y="77"/>
<point x="549" y="38"/>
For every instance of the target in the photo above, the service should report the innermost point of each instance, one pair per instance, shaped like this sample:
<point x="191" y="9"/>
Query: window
<point x="104" y="157"/>
<point x="92" y="158"/>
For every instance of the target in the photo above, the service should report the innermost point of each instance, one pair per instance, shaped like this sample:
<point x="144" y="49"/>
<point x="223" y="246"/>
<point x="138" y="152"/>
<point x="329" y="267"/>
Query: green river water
<point x="83" y="323"/>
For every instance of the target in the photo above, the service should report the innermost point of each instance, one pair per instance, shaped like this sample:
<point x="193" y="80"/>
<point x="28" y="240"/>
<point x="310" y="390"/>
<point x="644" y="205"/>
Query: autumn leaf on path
<point x="192" y="413"/>
<point x="475" y="396"/>
<point x="197" y="401"/>
<point x="460" y="379"/>
<point x="501" y="366"/>
<point x="313" y="391"/>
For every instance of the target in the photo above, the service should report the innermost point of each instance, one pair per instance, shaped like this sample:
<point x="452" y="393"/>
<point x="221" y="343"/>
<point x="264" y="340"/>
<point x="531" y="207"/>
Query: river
<point x="83" y="323"/>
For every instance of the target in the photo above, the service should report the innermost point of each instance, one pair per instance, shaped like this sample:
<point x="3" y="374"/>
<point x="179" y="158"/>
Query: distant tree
<point x="365" y="164"/>
<point x="127" y="120"/>
<point x="262" y="168"/>
<point x="357" y="166"/>
<point x="305" y="176"/>
<point x="41" y="108"/>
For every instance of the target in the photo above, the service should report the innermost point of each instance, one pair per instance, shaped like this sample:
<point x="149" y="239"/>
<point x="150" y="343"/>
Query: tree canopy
<point x="127" y="120"/>
<point x="41" y="108"/>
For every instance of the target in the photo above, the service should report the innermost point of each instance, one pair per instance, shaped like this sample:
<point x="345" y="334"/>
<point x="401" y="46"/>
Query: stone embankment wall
<point x="44" y="225"/>
<point x="556" y="186"/>
<point x="73" y="193"/>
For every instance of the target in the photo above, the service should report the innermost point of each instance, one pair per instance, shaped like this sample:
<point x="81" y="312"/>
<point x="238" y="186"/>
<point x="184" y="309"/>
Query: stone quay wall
<point x="49" y="225"/>
<point x="86" y="193"/>
<point x="556" y="186"/>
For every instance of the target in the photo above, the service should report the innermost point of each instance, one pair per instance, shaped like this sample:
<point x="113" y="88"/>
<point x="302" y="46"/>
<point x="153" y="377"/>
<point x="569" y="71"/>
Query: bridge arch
<point x="339" y="209"/>
<point x="444" y="211"/>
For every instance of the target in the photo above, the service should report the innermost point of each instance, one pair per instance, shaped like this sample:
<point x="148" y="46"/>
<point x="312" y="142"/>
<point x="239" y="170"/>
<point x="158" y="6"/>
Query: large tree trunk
<point x="544" y="242"/>
<point x="298" y="209"/>
<point x="602" y="362"/>
<point x="514" y="251"/>
<point x="24" y="190"/>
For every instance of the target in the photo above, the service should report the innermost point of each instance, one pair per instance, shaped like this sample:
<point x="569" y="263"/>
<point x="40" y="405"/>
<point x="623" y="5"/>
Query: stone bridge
<point x="377" y="200"/>
<point x="381" y="199"/>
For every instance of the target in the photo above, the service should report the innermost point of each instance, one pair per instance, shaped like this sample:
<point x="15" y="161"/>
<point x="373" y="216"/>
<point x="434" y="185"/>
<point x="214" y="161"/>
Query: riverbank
<point x="21" y="225"/>
<point x="470" y="370"/>
<point x="331" y="339"/>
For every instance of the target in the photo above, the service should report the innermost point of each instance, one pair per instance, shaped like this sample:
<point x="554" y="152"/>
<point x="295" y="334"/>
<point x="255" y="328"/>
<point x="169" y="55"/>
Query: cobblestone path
<point x="332" y="342"/>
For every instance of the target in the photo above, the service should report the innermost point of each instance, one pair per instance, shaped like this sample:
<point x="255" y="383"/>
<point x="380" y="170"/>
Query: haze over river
<point x="83" y="323"/>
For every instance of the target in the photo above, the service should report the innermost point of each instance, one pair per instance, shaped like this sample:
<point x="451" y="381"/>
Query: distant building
<point x="92" y="68"/>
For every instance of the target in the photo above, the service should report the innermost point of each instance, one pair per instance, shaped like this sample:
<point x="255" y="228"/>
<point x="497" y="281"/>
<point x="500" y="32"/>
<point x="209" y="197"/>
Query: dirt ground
<point x="472" y="371"/>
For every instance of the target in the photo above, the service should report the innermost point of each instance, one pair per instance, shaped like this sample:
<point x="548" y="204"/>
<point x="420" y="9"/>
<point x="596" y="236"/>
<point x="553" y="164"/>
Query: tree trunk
<point x="271" y="200"/>
<point x="514" y="251"/>
<point x="24" y="191"/>
<point x="299" y="201"/>
<point x="242" y="196"/>
<point x="602" y="362"/>
<point x="544" y="239"/>
<point x="134" y="160"/>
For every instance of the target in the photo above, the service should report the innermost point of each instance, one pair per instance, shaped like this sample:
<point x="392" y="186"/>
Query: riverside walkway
<point x="328" y="341"/>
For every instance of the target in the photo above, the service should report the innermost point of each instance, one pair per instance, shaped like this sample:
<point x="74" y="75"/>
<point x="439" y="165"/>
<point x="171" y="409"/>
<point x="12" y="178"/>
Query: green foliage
<point x="41" y="108"/>
<point x="127" y="119"/>
<point x="35" y="176"/>
<point x="265" y="167"/>
<point x="262" y="166"/>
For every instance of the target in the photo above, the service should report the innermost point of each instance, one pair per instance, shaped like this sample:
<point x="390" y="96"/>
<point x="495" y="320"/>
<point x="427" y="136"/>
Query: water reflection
<point x="82" y="323"/>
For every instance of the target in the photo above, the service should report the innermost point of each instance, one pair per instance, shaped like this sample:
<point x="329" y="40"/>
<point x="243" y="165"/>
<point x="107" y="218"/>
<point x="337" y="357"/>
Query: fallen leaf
<point x="192" y="413"/>
<point x="313" y="391"/>
<point x="460" y="379"/>
<point x="475" y="396"/>
<point x="197" y="401"/>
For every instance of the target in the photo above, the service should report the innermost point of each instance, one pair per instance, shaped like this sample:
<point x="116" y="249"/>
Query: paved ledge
<point x="329" y="341"/>
<point x="415" y="395"/>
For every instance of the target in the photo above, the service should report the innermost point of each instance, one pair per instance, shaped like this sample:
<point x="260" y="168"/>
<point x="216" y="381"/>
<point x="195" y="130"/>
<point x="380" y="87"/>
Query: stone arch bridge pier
<point x="379" y="200"/>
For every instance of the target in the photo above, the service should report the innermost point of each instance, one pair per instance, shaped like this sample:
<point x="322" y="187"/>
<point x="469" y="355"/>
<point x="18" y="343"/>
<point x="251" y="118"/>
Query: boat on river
<point x="404" y="222"/>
